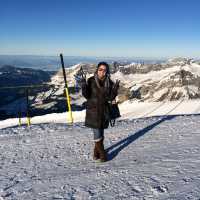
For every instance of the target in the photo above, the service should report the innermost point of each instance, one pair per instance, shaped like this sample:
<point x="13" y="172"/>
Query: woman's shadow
<point x="125" y="142"/>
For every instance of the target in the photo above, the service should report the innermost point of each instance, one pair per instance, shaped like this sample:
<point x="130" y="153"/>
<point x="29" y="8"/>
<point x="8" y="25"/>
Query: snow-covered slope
<point x="152" y="159"/>
<point x="128" y="110"/>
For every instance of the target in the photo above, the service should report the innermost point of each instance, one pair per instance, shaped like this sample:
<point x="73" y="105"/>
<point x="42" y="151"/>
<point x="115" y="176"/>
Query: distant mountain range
<point x="52" y="63"/>
<point x="11" y="76"/>
<point x="174" y="79"/>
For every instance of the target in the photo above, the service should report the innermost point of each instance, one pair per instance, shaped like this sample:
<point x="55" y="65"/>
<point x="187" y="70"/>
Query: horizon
<point x="52" y="63"/>
<point x="129" y="29"/>
<point x="110" y="57"/>
<point x="88" y="56"/>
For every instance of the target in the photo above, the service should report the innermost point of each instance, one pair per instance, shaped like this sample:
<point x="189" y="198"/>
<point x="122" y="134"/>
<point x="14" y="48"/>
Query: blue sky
<point x="127" y="28"/>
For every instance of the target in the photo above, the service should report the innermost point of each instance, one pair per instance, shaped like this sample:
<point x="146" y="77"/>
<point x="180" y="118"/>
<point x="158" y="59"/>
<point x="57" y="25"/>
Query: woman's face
<point x="101" y="72"/>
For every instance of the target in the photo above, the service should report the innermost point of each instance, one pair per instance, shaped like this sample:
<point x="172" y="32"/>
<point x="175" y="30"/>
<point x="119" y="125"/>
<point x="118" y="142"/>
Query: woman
<point x="99" y="90"/>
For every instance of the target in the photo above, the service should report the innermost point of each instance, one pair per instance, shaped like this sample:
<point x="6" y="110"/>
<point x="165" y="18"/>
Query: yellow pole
<point x="27" y="109"/>
<point x="69" y="105"/>
<point x="20" y="121"/>
<point x="66" y="90"/>
<point x="28" y="121"/>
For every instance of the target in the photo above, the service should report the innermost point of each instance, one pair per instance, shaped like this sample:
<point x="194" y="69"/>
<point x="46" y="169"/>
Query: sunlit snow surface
<point x="149" y="158"/>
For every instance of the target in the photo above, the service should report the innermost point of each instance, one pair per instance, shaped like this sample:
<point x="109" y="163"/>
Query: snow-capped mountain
<point x="173" y="80"/>
<point x="178" y="78"/>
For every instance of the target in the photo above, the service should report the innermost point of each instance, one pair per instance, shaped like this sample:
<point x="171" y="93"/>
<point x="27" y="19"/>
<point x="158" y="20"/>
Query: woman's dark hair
<point x="105" y="64"/>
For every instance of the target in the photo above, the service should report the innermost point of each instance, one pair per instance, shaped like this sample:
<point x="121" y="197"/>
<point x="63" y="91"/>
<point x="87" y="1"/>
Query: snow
<point x="136" y="87"/>
<point x="57" y="79"/>
<point x="151" y="158"/>
<point x="153" y="151"/>
<point x="164" y="74"/>
<point x="193" y="68"/>
<point x="128" y="109"/>
<point x="130" y="79"/>
<point x="194" y="89"/>
<point x="168" y="74"/>
<point x="129" y="65"/>
<point x="159" y="93"/>
<point x="49" y="118"/>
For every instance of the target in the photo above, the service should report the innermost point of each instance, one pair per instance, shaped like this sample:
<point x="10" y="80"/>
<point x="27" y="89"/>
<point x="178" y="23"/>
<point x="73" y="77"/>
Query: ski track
<point x="152" y="158"/>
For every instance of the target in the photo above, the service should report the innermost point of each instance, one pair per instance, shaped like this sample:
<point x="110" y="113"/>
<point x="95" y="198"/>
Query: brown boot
<point x="102" y="152"/>
<point x="96" y="155"/>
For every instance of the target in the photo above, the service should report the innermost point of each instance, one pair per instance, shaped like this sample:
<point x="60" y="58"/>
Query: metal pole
<point x="27" y="109"/>
<point x="19" y="115"/>
<point x="66" y="90"/>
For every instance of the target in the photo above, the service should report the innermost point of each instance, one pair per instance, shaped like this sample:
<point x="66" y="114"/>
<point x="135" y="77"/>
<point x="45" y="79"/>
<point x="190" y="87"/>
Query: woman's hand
<point x="80" y="77"/>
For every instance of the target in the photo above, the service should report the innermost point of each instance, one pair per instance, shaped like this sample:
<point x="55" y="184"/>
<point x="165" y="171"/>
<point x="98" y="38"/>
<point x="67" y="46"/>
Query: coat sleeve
<point x="113" y="91"/>
<point x="85" y="86"/>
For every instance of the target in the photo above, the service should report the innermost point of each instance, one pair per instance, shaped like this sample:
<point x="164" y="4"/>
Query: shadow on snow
<point x="116" y="148"/>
